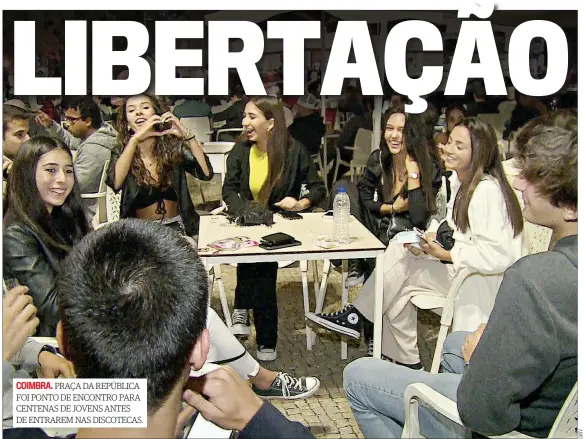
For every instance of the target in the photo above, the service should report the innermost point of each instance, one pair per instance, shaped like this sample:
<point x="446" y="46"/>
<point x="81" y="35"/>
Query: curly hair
<point x="166" y="151"/>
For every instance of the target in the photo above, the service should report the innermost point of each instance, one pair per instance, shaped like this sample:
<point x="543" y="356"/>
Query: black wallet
<point x="278" y="240"/>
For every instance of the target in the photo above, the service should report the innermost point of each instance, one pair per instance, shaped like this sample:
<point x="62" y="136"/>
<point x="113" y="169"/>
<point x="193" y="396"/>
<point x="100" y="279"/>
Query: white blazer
<point x="488" y="247"/>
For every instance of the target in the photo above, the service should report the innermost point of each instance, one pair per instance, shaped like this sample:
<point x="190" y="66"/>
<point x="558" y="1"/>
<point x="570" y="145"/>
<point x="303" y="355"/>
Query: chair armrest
<point x="419" y="392"/>
<point x="459" y="278"/>
<point x="95" y="195"/>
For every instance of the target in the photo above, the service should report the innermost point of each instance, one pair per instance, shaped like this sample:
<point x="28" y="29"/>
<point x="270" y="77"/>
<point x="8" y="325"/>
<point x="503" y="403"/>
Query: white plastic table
<point x="363" y="245"/>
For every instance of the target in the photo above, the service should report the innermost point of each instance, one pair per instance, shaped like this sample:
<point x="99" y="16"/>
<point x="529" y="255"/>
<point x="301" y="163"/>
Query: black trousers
<point x="357" y="208"/>
<point x="256" y="289"/>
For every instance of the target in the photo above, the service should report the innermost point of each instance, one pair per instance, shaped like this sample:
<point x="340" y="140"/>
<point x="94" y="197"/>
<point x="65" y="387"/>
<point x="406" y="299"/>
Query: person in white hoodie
<point x="93" y="140"/>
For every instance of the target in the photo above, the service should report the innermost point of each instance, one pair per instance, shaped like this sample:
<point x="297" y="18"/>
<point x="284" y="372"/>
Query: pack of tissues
<point x="408" y="237"/>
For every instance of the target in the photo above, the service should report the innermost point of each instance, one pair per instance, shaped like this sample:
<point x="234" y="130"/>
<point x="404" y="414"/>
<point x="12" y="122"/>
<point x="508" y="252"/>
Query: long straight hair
<point x="166" y="152"/>
<point x="26" y="205"/>
<point x="485" y="160"/>
<point x="417" y="143"/>
<point x="277" y="145"/>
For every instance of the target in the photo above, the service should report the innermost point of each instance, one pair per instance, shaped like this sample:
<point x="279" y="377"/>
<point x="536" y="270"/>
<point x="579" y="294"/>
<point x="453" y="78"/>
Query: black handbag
<point x="396" y="224"/>
<point x="253" y="214"/>
<point x="445" y="236"/>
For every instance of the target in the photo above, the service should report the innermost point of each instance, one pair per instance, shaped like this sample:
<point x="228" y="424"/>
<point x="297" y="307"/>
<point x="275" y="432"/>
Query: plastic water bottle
<point x="342" y="216"/>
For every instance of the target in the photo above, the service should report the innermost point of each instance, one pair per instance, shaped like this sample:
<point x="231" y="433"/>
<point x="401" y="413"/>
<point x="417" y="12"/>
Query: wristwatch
<point x="413" y="175"/>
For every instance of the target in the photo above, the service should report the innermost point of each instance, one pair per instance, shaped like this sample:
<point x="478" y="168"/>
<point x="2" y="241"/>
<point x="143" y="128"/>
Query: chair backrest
<point x="363" y="145"/>
<point x="200" y="127"/>
<point x="228" y="134"/>
<point x="566" y="424"/>
<point x="102" y="188"/>
<point x="113" y="204"/>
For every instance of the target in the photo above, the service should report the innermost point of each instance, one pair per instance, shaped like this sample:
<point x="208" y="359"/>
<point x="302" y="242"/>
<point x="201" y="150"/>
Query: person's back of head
<point x="133" y="298"/>
<point x="238" y="92"/>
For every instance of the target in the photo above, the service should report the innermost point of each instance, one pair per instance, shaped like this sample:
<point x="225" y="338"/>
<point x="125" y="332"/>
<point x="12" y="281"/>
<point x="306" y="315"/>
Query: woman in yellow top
<point x="268" y="167"/>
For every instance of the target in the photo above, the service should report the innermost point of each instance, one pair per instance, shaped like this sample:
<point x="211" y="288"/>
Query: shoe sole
<point x="333" y="327"/>
<point x="354" y="282"/>
<point x="240" y="330"/>
<point x="261" y="356"/>
<point x="305" y="395"/>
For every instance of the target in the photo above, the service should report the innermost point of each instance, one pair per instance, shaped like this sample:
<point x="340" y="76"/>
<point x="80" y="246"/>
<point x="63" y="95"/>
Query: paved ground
<point x="327" y="413"/>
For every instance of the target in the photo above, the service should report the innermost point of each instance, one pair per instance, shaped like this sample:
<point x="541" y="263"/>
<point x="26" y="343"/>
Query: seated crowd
<point x="452" y="185"/>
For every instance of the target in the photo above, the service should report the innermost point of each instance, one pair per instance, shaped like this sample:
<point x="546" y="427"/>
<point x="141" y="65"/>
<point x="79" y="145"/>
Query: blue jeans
<point x="375" y="390"/>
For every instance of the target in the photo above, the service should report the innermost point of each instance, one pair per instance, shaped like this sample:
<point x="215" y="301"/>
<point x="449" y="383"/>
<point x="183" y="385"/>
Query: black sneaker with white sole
<point x="356" y="274"/>
<point x="286" y="386"/>
<point x="347" y="321"/>
<point x="240" y="323"/>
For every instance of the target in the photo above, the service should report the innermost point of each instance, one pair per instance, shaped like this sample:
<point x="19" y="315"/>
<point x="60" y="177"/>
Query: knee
<point x="354" y="375"/>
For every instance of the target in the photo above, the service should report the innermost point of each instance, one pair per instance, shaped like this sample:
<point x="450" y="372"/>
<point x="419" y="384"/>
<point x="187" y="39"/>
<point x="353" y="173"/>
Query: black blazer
<point x="187" y="211"/>
<point x="29" y="260"/>
<point x="299" y="170"/>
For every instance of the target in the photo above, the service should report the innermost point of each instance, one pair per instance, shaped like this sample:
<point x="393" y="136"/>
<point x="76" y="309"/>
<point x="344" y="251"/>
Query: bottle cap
<point x="342" y="189"/>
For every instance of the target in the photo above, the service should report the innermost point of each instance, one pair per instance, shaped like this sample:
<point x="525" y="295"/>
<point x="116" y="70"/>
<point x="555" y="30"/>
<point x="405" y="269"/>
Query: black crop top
<point x="149" y="195"/>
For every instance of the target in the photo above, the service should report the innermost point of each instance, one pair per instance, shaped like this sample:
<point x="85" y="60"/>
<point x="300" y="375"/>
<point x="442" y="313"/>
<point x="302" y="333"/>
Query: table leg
<point x="315" y="280"/>
<point x="305" y="286"/>
<point x="344" y="345"/>
<point x="378" y="305"/>
<point x="319" y="302"/>
<point x="218" y="276"/>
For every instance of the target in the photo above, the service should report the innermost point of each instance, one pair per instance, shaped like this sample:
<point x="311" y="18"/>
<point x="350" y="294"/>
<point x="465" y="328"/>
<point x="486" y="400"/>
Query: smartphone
<point x="290" y="215"/>
<point x="421" y="234"/>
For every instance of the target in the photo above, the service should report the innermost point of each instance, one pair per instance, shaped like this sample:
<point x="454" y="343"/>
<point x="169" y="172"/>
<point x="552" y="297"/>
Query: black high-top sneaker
<point x="347" y="321"/>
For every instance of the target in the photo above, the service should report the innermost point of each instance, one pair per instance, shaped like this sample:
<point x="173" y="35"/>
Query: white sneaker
<point x="240" y="323"/>
<point x="266" y="354"/>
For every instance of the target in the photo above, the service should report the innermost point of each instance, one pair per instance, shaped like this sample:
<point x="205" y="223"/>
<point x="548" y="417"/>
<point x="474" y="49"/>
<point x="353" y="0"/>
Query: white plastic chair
<point x="100" y="197"/>
<point x="362" y="149"/>
<point x="200" y="127"/>
<point x="565" y="425"/>
<point x="227" y="130"/>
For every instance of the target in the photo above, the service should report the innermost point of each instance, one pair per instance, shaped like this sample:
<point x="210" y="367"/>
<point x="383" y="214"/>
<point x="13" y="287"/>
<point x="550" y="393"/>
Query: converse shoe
<point x="266" y="354"/>
<point x="347" y="321"/>
<point x="287" y="387"/>
<point x="355" y="273"/>
<point x="240" y="323"/>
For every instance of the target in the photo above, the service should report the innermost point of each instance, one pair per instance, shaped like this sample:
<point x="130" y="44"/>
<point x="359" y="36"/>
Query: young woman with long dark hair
<point x="45" y="218"/>
<point x="269" y="168"/>
<point x="397" y="189"/>
<point x="481" y="231"/>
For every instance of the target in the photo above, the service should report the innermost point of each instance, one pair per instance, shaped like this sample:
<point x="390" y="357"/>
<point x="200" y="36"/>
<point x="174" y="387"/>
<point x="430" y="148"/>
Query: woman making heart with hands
<point x="156" y="151"/>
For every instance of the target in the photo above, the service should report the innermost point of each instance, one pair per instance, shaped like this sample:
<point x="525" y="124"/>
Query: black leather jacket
<point x="28" y="259"/>
<point x="187" y="211"/>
